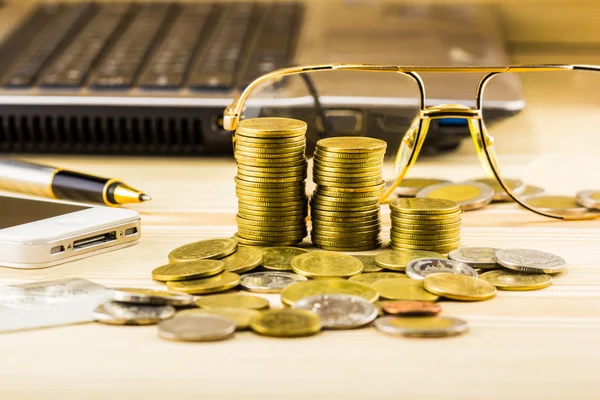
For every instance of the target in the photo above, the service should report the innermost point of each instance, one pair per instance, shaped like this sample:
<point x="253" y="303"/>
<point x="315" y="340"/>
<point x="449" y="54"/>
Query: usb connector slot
<point x="94" y="240"/>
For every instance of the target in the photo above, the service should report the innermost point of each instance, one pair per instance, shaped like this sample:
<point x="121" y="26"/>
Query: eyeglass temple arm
<point x="233" y="113"/>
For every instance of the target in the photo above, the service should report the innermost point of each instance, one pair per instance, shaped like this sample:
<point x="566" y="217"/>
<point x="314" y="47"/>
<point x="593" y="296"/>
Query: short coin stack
<point x="345" y="204"/>
<point x="425" y="224"/>
<point x="270" y="182"/>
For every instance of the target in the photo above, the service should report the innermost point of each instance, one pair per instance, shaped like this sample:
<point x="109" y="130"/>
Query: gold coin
<point x="181" y="271"/>
<point x="271" y="212"/>
<point x="271" y="127"/>
<point x="468" y="195"/>
<point x="397" y="260"/>
<point x="371" y="220"/>
<point x="455" y="235"/>
<point x="243" y="260"/>
<point x="424" y="206"/>
<point x="353" y="214"/>
<point x="269" y="224"/>
<point x="334" y="194"/>
<point x="232" y="300"/>
<point x="203" y="249"/>
<point x="301" y="234"/>
<point x="350" y="144"/>
<point x="445" y="249"/>
<point x="516" y="186"/>
<point x="343" y="209"/>
<point x="360" y="236"/>
<point x="345" y="185"/>
<point x="241" y="316"/>
<point x="372" y="277"/>
<point x="325" y="241"/>
<point x="403" y="289"/>
<point x="273" y="230"/>
<point x="269" y="243"/>
<point x="260" y="151"/>
<point x="243" y="174"/>
<point x="280" y="258"/>
<point x="298" y="168"/>
<point x="459" y="287"/>
<point x="562" y="205"/>
<point x="271" y="156"/>
<point x="347" y="158"/>
<point x="214" y="284"/>
<point x="409" y="187"/>
<point x="271" y="141"/>
<point x="348" y="170"/>
<point x="344" y="202"/>
<point x="298" y="202"/>
<point x="434" y="242"/>
<point x="326" y="264"/>
<point x="298" y="179"/>
<point x="512" y="280"/>
<point x="346" y="225"/>
<point x="367" y="191"/>
<point x="300" y="290"/>
<point x="340" y="166"/>
<point x="425" y="327"/>
<point x="286" y="323"/>
<point x="368" y="261"/>
<point x="270" y="162"/>
<point x="425" y="233"/>
<point x="434" y="226"/>
<point x="338" y="247"/>
<point x="416" y="218"/>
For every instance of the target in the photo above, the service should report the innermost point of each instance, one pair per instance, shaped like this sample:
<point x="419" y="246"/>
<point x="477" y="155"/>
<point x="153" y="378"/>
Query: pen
<point x="47" y="181"/>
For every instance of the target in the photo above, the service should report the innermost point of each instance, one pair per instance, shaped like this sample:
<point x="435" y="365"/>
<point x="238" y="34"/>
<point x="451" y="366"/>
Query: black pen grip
<point x="74" y="186"/>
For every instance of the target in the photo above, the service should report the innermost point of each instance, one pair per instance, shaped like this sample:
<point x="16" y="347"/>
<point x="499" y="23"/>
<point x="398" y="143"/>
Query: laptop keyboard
<point x="153" y="47"/>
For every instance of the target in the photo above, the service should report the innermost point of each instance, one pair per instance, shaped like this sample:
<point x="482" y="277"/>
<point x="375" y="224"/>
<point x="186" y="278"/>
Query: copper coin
<point x="410" y="308"/>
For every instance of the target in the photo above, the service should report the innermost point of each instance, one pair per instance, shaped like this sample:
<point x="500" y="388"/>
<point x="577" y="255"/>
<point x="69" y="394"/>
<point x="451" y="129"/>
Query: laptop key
<point x="168" y="65"/>
<point x="43" y="47"/>
<point x="273" y="48"/>
<point x="219" y="61"/>
<point x="73" y="64"/>
<point x="119" y="68"/>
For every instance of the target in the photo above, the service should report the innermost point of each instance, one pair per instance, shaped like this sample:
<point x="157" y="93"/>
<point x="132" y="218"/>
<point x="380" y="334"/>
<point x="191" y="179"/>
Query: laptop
<point x="153" y="78"/>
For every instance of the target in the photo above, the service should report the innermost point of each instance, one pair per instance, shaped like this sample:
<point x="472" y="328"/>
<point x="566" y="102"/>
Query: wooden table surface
<point x="541" y="344"/>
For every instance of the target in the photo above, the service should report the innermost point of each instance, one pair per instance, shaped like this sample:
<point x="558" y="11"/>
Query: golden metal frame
<point x="414" y="137"/>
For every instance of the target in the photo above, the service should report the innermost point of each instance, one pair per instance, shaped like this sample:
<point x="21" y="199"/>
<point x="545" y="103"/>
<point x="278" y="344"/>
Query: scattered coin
<point x="476" y="257"/>
<point x="214" y="284"/>
<point x="561" y="205"/>
<point x="403" y="289"/>
<point x="411" y="308"/>
<point x="151" y="297"/>
<point x="397" y="260"/>
<point x="205" y="328"/>
<point x="269" y="281"/>
<point x="531" y="190"/>
<point x="468" y="195"/>
<point x="459" y="287"/>
<point x="372" y="277"/>
<point x="280" y="258"/>
<point x="243" y="260"/>
<point x="368" y="261"/>
<point x="185" y="270"/>
<point x="241" y="316"/>
<point x="512" y="280"/>
<point x="117" y="313"/>
<point x="409" y="187"/>
<point x="589" y="199"/>
<point x="326" y="264"/>
<point x="526" y="260"/>
<point x="425" y="327"/>
<point x="301" y="290"/>
<point x="419" y="269"/>
<point x="339" y="311"/>
<point x="232" y="300"/>
<point x="286" y="323"/>
<point x="516" y="186"/>
<point x="204" y="249"/>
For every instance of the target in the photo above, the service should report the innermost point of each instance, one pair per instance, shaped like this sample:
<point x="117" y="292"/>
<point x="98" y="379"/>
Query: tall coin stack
<point x="345" y="205"/>
<point x="270" y="182"/>
<point x="425" y="224"/>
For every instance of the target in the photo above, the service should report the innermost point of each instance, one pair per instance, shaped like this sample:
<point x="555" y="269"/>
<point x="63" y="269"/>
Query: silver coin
<point x="426" y="327"/>
<point x="152" y="297"/>
<point x="269" y="282"/>
<point x="116" y="313"/>
<point x="197" y="328"/>
<point x="420" y="268"/>
<point x="339" y="311"/>
<point x="589" y="199"/>
<point x="485" y="196"/>
<point x="476" y="257"/>
<point x="526" y="260"/>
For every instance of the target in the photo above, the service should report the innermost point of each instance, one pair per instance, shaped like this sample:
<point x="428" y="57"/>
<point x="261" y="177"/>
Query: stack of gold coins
<point x="425" y="224"/>
<point x="345" y="204"/>
<point x="270" y="182"/>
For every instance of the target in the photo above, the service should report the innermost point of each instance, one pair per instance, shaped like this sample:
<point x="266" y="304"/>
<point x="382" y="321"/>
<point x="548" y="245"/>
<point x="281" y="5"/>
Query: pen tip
<point x="145" y="197"/>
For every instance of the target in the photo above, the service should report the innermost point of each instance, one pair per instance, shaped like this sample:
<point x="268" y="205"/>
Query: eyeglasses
<point x="536" y="145"/>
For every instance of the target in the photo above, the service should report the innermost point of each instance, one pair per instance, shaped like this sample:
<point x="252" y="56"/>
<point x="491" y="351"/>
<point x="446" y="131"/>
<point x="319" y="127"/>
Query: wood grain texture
<point x="534" y="345"/>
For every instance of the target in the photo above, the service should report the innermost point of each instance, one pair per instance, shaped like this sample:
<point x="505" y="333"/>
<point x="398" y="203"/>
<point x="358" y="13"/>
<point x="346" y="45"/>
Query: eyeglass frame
<point x="416" y="133"/>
